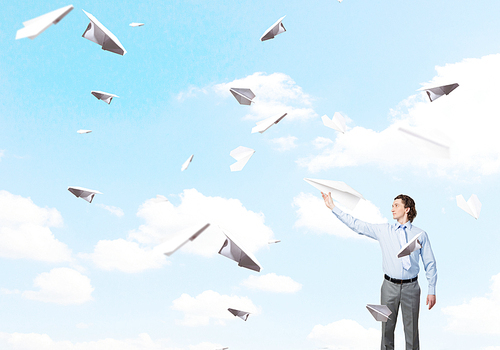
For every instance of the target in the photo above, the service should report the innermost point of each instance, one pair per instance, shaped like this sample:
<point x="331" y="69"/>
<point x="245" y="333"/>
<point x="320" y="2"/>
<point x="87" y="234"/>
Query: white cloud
<point x="479" y="315"/>
<point x="125" y="256"/>
<point x="314" y="216"/>
<point x="82" y="325"/>
<point x="285" y="143"/>
<point x="464" y="117"/>
<point x="346" y="335"/>
<point x="211" y="306"/>
<point x="63" y="286"/>
<point x="8" y="291"/>
<point x="113" y="210"/>
<point x="272" y="283"/>
<point x="321" y="142"/>
<point x="164" y="220"/>
<point x="34" y="341"/>
<point x="25" y="230"/>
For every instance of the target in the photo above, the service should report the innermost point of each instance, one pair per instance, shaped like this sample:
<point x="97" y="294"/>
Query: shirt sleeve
<point x="358" y="226"/>
<point x="429" y="264"/>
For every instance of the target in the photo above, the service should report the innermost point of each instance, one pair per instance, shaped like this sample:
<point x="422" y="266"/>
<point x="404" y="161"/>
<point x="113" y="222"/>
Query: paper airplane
<point x="134" y="24"/>
<point x="242" y="155"/>
<point x="103" y="96"/>
<point x="36" y="26"/>
<point x="437" y="92"/>
<point x="243" y="96"/>
<point x="379" y="312"/>
<point x="181" y="238"/>
<point x="160" y="199"/>
<point x="187" y="162"/>
<point x="100" y="35"/>
<point x="472" y="206"/>
<point x="81" y="131"/>
<point x="341" y="192"/>
<point x="337" y="122"/>
<point x="274" y="241"/>
<point x="410" y="247"/>
<point x="265" y="124"/>
<point x="275" y="29"/>
<point x="83" y="193"/>
<point x="235" y="251"/>
<point x="422" y="138"/>
<point x="241" y="314"/>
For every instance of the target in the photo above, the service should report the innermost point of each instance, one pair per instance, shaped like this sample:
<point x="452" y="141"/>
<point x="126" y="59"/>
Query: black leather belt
<point x="395" y="280"/>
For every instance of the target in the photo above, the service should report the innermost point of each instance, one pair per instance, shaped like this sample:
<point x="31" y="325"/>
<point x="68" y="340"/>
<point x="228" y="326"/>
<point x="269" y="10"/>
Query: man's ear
<point x="407" y="210"/>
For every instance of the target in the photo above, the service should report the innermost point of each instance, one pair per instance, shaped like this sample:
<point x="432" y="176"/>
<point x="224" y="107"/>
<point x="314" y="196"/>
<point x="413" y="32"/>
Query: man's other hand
<point x="431" y="301"/>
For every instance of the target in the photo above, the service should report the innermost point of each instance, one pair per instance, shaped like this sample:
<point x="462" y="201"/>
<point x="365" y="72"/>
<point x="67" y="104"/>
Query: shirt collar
<point x="407" y="225"/>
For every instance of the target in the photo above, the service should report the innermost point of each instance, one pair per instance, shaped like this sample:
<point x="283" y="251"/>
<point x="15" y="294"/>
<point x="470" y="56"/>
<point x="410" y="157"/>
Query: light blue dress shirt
<point x="387" y="236"/>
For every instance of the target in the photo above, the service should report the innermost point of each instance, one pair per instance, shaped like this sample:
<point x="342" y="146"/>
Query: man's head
<point x="403" y="206"/>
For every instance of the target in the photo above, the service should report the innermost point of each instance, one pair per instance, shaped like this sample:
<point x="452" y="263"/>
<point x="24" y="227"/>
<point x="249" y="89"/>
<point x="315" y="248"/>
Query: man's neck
<point x="403" y="221"/>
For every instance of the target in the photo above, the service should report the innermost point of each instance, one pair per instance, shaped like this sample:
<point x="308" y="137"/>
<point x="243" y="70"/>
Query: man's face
<point x="398" y="209"/>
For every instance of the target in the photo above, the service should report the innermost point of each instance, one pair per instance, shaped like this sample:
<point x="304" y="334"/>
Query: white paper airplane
<point x="100" y="35"/>
<point x="242" y="155"/>
<point x="341" y="192"/>
<point x="103" y="96"/>
<point x="472" y="206"/>
<point x="337" y="122"/>
<point x="423" y="139"/>
<point x="243" y="96"/>
<point x="241" y="314"/>
<point x="83" y="193"/>
<point x="236" y="252"/>
<point x="181" y="238"/>
<point x="81" y="131"/>
<point x="265" y="124"/>
<point x="274" y="241"/>
<point x="134" y="24"/>
<point x="410" y="247"/>
<point x="437" y="92"/>
<point x="379" y="312"/>
<point x="275" y="29"/>
<point x="36" y="26"/>
<point x="187" y="162"/>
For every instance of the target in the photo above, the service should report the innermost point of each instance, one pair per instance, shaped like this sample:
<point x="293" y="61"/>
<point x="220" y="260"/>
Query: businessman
<point x="400" y="285"/>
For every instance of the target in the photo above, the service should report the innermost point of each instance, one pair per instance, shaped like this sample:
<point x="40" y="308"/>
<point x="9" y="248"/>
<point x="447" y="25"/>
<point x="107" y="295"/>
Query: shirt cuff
<point x="336" y="210"/>
<point x="432" y="290"/>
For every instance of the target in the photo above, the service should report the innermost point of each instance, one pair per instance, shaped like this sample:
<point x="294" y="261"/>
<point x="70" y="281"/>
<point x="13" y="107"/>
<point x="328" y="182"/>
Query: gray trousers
<point x="408" y="295"/>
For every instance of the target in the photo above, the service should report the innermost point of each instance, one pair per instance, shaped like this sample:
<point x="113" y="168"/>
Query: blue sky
<point x="86" y="276"/>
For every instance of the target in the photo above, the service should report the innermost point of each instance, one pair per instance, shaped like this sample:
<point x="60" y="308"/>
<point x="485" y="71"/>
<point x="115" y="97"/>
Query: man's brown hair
<point x="408" y="203"/>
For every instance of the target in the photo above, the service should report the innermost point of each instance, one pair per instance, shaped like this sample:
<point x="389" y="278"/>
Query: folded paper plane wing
<point x="437" y="92"/>
<point x="83" y="193"/>
<point x="241" y="314"/>
<point x="275" y="29"/>
<point x="81" y="131"/>
<point x="100" y="35"/>
<point x="410" y="247"/>
<point x="36" y="26"/>
<point x="103" y="96"/>
<point x="172" y="245"/>
<point x="337" y="122"/>
<point x="265" y="124"/>
<point x="242" y="156"/>
<point x="236" y="252"/>
<point x="379" y="312"/>
<point x="187" y="162"/>
<point x="341" y="192"/>
<point x="134" y="24"/>
<point x="243" y="96"/>
<point x="472" y="206"/>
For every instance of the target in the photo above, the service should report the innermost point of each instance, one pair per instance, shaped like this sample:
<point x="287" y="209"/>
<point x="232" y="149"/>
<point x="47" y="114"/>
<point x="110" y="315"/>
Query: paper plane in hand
<point x="236" y="252"/>
<point x="379" y="312"/>
<point x="265" y="124"/>
<point x="103" y="96"/>
<point x="242" y="155"/>
<point x="410" y="247"/>
<point x="81" y="131"/>
<point x="275" y="29"/>
<point x="241" y="314"/>
<point x="172" y="245"/>
<point x="83" y="193"/>
<point x="134" y="24"/>
<point x="437" y="92"/>
<point x="472" y="206"/>
<point x="36" y="26"/>
<point x="341" y="192"/>
<point x="243" y="96"/>
<point x="187" y="162"/>
<point x="100" y="35"/>
<point x="337" y="122"/>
